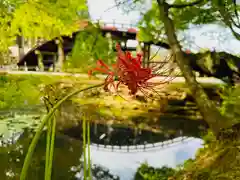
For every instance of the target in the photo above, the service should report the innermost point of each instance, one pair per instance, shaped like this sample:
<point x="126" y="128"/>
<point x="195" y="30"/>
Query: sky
<point x="209" y="37"/>
<point x="105" y="12"/>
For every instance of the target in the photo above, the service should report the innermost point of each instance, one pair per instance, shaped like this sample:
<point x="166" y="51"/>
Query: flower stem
<point x="84" y="148"/>
<point x="47" y="156"/>
<point x="89" y="157"/>
<point x="41" y="126"/>
<point x="51" y="148"/>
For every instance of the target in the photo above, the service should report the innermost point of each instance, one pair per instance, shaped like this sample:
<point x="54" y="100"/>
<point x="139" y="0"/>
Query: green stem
<point x="84" y="148"/>
<point x="49" y="129"/>
<point x="40" y="128"/>
<point x="88" y="143"/>
<point x="49" y="172"/>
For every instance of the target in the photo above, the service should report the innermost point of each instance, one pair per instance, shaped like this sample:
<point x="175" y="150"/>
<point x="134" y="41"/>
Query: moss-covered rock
<point x="217" y="160"/>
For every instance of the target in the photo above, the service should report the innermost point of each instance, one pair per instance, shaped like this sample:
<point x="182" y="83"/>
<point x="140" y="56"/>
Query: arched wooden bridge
<point x="119" y="32"/>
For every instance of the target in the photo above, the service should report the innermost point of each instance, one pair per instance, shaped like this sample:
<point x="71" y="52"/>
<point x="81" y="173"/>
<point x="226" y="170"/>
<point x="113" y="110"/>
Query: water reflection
<point x="115" y="137"/>
<point x="121" y="161"/>
<point x="64" y="167"/>
<point x="126" y="164"/>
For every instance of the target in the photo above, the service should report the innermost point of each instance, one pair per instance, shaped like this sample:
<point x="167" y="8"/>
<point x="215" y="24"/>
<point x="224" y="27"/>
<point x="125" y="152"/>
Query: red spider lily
<point x="187" y="51"/>
<point x="128" y="70"/>
<point x="131" y="73"/>
<point x="102" y="67"/>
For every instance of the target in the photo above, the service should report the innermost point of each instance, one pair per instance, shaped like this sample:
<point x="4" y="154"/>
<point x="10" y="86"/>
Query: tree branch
<point x="116" y="5"/>
<point x="236" y="12"/>
<point x="228" y="21"/>
<point x="185" y="5"/>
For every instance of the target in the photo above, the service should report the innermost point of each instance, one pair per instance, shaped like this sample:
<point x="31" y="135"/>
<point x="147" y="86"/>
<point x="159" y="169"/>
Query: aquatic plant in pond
<point x="16" y="124"/>
<point x="127" y="71"/>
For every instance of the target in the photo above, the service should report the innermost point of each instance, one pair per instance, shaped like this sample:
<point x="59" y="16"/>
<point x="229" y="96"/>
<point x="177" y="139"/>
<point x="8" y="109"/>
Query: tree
<point x="165" y="20"/>
<point x="207" y="108"/>
<point x="90" y="45"/>
<point x="44" y="19"/>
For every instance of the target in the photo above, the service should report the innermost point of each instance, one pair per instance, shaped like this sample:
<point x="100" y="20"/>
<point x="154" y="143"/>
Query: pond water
<point x="116" y="151"/>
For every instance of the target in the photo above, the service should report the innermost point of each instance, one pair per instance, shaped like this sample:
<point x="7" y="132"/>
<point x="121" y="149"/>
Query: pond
<point x="116" y="150"/>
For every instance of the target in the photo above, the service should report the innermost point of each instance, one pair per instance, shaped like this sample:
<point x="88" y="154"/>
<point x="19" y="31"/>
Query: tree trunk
<point x="61" y="55"/>
<point x="20" y="47"/>
<point x="206" y="107"/>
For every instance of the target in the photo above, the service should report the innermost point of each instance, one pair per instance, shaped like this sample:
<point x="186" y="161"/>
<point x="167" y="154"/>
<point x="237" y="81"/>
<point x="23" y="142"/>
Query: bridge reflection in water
<point x="122" y="149"/>
<point x="146" y="147"/>
<point x="124" y="139"/>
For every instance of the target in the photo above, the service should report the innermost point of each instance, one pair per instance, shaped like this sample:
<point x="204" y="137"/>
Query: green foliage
<point x="18" y="91"/>
<point x="150" y="26"/>
<point x="203" y="13"/>
<point x="5" y="57"/>
<point x="146" y="172"/>
<point x="207" y="12"/>
<point x="15" y="90"/>
<point x="231" y="102"/>
<point x="47" y="19"/>
<point x="6" y="35"/>
<point x="39" y="19"/>
<point x="208" y="137"/>
<point x="90" y="46"/>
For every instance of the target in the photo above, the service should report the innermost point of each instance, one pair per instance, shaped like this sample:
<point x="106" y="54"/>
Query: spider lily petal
<point x="102" y="64"/>
<point x="103" y="68"/>
<point x="128" y="70"/>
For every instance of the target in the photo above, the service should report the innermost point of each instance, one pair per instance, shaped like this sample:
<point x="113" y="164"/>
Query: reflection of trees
<point x="146" y="172"/>
<point x="101" y="173"/>
<point x="65" y="165"/>
<point x="180" y="119"/>
<point x="66" y="162"/>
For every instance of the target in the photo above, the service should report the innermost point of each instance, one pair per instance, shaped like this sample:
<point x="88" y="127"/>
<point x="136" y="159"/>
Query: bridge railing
<point x="163" y="71"/>
<point x="116" y="24"/>
<point x="142" y="148"/>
